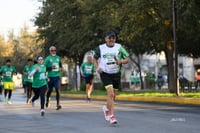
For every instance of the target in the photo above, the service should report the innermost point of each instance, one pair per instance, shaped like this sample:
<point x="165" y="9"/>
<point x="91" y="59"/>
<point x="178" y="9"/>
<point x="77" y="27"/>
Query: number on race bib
<point x="42" y="76"/>
<point x="8" y="73"/>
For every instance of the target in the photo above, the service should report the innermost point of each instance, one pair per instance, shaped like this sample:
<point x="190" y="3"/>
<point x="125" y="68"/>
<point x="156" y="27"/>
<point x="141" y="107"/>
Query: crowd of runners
<point x="39" y="76"/>
<point x="43" y="74"/>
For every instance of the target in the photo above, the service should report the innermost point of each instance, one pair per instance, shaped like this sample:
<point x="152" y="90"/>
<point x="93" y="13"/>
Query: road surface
<point x="78" y="116"/>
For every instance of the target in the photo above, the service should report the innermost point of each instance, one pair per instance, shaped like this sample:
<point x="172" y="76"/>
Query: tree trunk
<point x="140" y="72"/>
<point x="139" y="69"/>
<point x="170" y="66"/>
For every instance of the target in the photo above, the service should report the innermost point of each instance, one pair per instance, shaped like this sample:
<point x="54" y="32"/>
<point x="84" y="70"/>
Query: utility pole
<point x="174" y="9"/>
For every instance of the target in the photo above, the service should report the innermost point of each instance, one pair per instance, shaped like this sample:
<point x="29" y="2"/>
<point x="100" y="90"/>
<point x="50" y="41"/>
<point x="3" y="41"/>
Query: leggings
<point x="29" y="90"/>
<point x="9" y="93"/>
<point x="1" y="89"/>
<point x="40" y="92"/>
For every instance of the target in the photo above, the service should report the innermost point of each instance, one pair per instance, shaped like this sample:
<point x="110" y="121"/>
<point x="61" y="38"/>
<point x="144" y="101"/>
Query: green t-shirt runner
<point x="53" y="65"/>
<point x="87" y="68"/>
<point x="27" y="69"/>
<point x="7" y="72"/>
<point x="39" y="77"/>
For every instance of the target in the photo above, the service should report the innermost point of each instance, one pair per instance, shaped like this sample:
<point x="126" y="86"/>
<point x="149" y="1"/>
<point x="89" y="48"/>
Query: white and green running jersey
<point x="39" y="77"/>
<point x="108" y="56"/>
<point x="53" y="61"/>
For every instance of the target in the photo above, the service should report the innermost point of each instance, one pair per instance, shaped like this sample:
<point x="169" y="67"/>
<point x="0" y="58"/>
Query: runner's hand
<point x="99" y="70"/>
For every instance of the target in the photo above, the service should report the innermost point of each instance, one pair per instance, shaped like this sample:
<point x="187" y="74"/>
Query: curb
<point x="177" y="100"/>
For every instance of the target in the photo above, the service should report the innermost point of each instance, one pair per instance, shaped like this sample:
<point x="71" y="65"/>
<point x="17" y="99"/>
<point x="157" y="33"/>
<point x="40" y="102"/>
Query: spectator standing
<point x="138" y="80"/>
<point x="197" y="77"/>
<point x="132" y="80"/>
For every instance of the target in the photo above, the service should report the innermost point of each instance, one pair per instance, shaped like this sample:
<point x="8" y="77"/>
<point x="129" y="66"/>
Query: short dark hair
<point x="8" y="60"/>
<point x="30" y="60"/>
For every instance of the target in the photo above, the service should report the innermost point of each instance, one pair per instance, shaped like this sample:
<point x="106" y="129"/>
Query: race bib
<point x="8" y="74"/>
<point x="111" y="67"/>
<point x="88" y="69"/>
<point x="42" y="76"/>
<point x="56" y="65"/>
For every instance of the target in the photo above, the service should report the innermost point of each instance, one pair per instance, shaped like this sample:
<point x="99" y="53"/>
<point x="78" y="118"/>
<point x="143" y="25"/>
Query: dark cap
<point x="110" y="34"/>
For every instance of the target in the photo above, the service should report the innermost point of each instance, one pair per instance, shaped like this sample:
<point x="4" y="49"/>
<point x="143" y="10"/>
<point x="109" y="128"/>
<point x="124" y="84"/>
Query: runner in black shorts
<point x="108" y="59"/>
<point x="87" y="71"/>
<point x="89" y="79"/>
<point x="114" y="79"/>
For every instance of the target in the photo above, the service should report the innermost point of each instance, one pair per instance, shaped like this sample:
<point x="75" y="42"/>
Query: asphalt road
<point x="78" y="116"/>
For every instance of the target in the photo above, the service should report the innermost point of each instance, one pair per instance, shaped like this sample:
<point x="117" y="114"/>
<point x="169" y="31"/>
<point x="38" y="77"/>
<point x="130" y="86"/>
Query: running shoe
<point x="58" y="107"/>
<point x="105" y="111"/>
<point x="28" y="101"/>
<point x="48" y="103"/>
<point x="42" y="111"/>
<point x="113" y="119"/>
<point x="33" y="104"/>
<point x="88" y="100"/>
<point x="9" y="102"/>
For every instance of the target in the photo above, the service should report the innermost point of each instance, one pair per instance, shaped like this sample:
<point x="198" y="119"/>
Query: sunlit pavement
<point x="78" y="116"/>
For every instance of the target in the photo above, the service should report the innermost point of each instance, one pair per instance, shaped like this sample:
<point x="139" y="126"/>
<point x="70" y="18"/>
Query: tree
<point x="20" y="48"/>
<point x="70" y="25"/>
<point x="6" y="48"/>
<point x="29" y="47"/>
<point x="144" y="26"/>
<point x="188" y="24"/>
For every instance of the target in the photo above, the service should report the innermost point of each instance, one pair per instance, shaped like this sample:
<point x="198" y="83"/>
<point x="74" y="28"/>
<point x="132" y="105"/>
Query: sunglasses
<point x="112" y="37"/>
<point x="53" y="50"/>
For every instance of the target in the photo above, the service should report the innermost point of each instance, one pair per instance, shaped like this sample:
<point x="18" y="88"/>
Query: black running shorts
<point x="89" y="79"/>
<point x="111" y="79"/>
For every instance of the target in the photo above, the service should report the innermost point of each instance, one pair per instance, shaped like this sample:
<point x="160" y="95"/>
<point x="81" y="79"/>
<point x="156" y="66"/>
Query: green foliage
<point x="192" y="95"/>
<point x="19" y="48"/>
<point x="188" y="27"/>
<point x="144" y="26"/>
